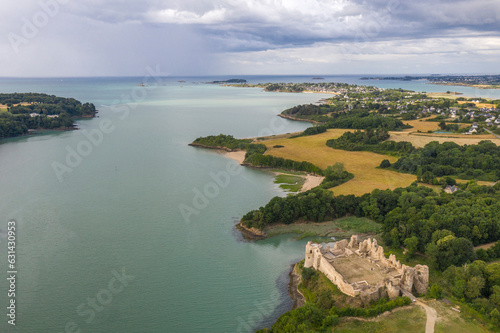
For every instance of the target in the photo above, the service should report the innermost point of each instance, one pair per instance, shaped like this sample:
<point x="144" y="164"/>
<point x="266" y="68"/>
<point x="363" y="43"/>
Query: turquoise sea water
<point x="122" y="227"/>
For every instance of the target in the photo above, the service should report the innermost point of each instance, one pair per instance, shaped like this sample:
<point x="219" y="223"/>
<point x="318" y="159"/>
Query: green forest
<point x="479" y="161"/>
<point x="222" y="141"/>
<point x="15" y="120"/>
<point x="360" y="140"/>
<point x="333" y="116"/>
<point x="470" y="216"/>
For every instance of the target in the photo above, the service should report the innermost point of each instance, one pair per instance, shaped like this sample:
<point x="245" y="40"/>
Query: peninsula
<point x="21" y="113"/>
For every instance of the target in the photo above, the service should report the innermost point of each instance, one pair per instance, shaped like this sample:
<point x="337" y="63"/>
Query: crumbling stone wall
<point x="405" y="277"/>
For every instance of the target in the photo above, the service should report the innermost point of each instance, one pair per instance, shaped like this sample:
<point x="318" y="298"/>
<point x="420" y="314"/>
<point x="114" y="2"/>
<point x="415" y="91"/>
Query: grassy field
<point x="452" y="321"/>
<point x="364" y="165"/>
<point x="340" y="228"/>
<point x="290" y="182"/>
<point x="407" y="319"/>
<point x="413" y="319"/>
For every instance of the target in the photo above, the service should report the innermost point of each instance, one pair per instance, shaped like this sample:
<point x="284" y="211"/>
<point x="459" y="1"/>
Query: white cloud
<point x="439" y="55"/>
<point x="186" y="17"/>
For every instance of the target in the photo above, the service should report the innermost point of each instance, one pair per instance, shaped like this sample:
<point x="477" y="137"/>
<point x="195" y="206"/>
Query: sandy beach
<point x="238" y="156"/>
<point x="311" y="182"/>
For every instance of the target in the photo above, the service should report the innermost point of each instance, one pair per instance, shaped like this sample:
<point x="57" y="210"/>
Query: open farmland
<point x="364" y="165"/>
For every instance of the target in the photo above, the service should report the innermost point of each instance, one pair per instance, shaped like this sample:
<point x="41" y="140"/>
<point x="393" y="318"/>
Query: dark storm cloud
<point x="275" y="24"/>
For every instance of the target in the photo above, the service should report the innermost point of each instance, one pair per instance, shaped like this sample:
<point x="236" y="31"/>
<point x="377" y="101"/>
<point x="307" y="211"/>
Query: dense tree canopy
<point x="51" y="112"/>
<point x="479" y="161"/>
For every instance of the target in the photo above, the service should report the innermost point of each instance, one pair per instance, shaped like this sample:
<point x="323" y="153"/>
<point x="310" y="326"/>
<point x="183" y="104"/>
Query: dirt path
<point x="485" y="246"/>
<point x="431" y="317"/>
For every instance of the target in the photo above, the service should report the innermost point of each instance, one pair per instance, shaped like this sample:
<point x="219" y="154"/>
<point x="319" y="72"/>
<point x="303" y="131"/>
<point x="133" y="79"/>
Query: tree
<point x="492" y="272"/>
<point x="495" y="317"/>
<point x="459" y="288"/>
<point x="395" y="237"/>
<point x="474" y="287"/>
<point x="454" y="251"/>
<point x="411" y="245"/>
<point x="385" y="164"/>
<point x="482" y="254"/>
<point x="495" y="296"/>
<point x="436" y="291"/>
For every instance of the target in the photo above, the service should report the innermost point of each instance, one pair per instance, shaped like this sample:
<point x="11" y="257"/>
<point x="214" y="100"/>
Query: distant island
<point x="230" y="81"/>
<point x="476" y="81"/>
<point x="21" y="113"/>
<point x="320" y="87"/>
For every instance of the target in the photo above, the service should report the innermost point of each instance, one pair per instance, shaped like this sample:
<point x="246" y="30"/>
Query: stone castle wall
<point x="411" y="279"/>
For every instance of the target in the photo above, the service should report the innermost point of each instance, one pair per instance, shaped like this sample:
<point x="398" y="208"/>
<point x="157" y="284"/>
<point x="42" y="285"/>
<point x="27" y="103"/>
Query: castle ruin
<point x="361" y="268"/>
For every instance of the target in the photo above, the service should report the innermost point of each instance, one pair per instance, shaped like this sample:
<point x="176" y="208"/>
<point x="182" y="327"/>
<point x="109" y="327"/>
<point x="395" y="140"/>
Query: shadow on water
<point x="36" y="136"/>
<point x="285" y="301"/>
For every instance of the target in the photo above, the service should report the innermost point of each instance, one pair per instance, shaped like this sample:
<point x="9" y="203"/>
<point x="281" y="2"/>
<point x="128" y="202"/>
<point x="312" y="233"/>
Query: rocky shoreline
<point x="251" y="233"/>
<point x="298" y="119"/>
<point x="194" y="144"/>
<point x="293" y="288"/>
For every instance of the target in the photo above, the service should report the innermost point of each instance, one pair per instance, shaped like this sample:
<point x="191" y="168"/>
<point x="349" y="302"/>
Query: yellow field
<point x="421" y="125"/>
<point x="445" y="95"/>
<point x="479" y="105"/>
<point x="4" y="107"/>
<point x="363" y="165"/>
<point x="421" y="139"/>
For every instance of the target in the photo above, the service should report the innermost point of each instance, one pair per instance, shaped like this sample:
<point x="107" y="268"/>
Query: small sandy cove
<point x="311" y="180"/>
<point x="238" y="156"/>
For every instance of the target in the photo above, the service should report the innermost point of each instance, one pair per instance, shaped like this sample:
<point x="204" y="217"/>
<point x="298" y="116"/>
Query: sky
<point x="252" y="37"/>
